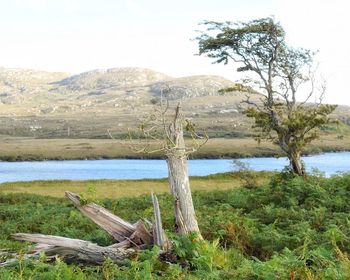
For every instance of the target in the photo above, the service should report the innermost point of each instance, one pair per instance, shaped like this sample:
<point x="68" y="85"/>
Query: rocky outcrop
<point x="112" y="78"/>
<point x="188" y="87"/>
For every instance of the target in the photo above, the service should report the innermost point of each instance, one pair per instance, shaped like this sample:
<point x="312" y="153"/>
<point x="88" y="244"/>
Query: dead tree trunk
<point x="180" y="188"/>
<point x="176" y="158"/>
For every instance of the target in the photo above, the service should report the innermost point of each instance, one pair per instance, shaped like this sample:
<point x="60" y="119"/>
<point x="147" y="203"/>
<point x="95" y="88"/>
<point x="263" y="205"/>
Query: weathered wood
<point x="141" y="236"/>
<point x="114" y="225"/>
<point x="75" y="249"/>
<point x="186" y="220"/>
<point x="34" y="253"/>
<point x="158" y="233"/>
<point x="132" y="237"/>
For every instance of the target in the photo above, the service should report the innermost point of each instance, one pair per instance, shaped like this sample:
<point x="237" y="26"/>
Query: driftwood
<point x="130" y="238"/>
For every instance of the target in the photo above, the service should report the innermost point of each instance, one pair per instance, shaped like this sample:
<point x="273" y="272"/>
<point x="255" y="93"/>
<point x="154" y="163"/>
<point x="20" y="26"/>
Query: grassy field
<point x="14" y="148"/>
<point x="126" y="188"/>
<point x="288" y="228"/>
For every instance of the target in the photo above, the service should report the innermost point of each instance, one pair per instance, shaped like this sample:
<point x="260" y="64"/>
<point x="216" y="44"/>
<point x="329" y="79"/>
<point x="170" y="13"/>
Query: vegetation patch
<point x="289" y="228"/>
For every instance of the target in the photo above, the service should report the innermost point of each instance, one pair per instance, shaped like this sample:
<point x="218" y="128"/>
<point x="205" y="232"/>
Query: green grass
<point x="289" y="228"/>
<point x="125" y="188"/>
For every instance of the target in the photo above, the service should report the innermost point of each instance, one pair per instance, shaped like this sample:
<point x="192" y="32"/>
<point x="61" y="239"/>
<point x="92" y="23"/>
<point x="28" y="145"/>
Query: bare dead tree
<point x="168" y="131"/>
<point x="176" y="157"/>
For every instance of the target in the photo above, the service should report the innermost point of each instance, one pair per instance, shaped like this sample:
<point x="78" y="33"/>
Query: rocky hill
<point x="90" y="104"/>
<point x="112" y="78"/>
<point x="16" y="85"/>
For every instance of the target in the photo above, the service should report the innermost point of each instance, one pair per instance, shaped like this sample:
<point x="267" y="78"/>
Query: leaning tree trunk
<point x="293" y="155"/>
<point x="296" y="162"/>
<point x="176" y="155"/>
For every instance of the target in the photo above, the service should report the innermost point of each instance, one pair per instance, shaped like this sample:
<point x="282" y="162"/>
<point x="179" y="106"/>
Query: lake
<point x="329" y="163"/>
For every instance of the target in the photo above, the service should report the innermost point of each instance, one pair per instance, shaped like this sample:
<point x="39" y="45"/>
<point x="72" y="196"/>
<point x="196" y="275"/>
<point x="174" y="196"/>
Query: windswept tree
<point x="278" y="72"/>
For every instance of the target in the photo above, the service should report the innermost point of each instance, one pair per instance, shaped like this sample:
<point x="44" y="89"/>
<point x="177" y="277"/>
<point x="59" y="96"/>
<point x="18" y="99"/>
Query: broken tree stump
<point x="129" y="238"/>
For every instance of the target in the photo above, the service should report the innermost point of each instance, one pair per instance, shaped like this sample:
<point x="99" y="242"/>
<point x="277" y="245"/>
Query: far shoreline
<point x="29" y="149"/>
<point x="24" y="159"/>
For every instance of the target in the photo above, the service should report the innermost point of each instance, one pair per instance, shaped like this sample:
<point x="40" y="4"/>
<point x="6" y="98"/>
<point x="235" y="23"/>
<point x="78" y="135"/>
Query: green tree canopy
<point x="278" y="72"/>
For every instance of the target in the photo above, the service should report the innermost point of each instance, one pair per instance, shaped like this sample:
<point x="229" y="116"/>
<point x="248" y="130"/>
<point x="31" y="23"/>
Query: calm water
<point x="330" y="163"/>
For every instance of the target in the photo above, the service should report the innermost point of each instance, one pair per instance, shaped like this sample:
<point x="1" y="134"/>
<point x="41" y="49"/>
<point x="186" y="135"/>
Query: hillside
<point x="115" y="78"/>
<point x="87" y="105"/>
<point x="190" y="87"/>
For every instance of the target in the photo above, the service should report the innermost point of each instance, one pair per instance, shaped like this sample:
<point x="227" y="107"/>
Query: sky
<point x="81" y="35"/>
